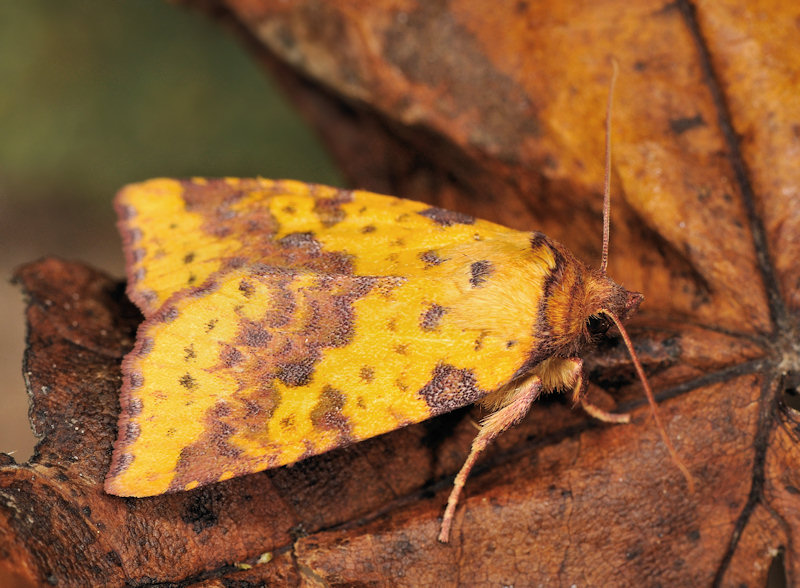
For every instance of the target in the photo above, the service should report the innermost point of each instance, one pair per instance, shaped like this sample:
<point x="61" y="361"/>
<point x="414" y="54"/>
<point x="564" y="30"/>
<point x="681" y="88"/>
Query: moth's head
<point x="604" y="295"/>
<point x="579" y="304"/>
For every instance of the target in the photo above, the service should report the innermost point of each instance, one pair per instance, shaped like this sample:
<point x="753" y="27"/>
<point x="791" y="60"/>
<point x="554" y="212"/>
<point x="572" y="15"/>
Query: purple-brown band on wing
<point x="256" y="362"/>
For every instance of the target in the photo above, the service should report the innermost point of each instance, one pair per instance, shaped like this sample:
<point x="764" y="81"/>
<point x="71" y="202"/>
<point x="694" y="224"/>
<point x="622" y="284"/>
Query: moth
<point x="285" y="319"/>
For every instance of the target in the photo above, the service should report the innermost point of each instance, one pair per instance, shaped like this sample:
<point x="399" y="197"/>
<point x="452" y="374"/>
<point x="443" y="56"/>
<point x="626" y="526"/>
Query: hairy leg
<point x="556" y="374"/>
<point x="603" y="415"/>
<point x="593" y="411"/>
<point x="494" y="424"/>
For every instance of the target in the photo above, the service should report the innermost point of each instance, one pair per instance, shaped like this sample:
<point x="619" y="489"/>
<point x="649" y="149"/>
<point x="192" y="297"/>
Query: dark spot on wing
<point x="367" y="373"/>
<point x="480" y="272"/>
<point x="431" y="258"/>
<point x="299" y="373"/>
<point x="450" y="388"/>
<point x="246" y="288"/>
<point x="431" y="318"/>
<point x="187" y="381"/>
<point x="447" y="218"/>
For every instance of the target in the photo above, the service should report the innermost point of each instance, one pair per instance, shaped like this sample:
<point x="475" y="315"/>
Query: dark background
<point x="97" y="94"/>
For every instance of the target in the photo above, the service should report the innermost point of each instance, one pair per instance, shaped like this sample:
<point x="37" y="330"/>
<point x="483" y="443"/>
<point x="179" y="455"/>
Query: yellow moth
<point x="285" y="319"/>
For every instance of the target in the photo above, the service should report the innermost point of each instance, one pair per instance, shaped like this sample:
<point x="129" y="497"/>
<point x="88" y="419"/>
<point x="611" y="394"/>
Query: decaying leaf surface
<point x="495" y="110"/>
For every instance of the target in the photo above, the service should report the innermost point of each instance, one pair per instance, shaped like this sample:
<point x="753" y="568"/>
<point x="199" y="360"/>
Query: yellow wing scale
<point x="305" y="318"/>
<point x="165" y="245"/>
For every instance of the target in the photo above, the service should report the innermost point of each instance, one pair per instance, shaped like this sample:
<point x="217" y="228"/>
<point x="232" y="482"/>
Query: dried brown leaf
<point x="497" y="110"/>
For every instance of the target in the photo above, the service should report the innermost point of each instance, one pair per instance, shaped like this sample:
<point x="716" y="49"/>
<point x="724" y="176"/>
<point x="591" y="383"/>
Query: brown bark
<point x="495" y="110"/>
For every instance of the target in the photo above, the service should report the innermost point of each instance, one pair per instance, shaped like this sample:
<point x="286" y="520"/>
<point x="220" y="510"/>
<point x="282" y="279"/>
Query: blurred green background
<point x="96" y="94"/>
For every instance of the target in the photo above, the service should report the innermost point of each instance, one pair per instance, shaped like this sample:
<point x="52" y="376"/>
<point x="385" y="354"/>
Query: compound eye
<point x="597" y="325"/>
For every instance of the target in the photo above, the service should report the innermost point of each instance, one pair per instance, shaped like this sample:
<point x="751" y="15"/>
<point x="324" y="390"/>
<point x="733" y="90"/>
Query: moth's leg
<point x="592" y="410"/>
<point x="619" y="418"/>
<point x="494" y="424"/>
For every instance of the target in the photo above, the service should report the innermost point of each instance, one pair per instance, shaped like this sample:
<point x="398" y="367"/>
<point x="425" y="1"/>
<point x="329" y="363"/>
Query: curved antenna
<point x="607" y="178"/>
<point x="652" y="400"/>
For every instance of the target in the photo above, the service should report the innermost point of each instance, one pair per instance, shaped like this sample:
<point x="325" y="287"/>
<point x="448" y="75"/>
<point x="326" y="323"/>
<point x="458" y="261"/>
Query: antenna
<point x="651" y="399"/>
<point x="603" y="266"/>
<point x="607" y="179"/>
